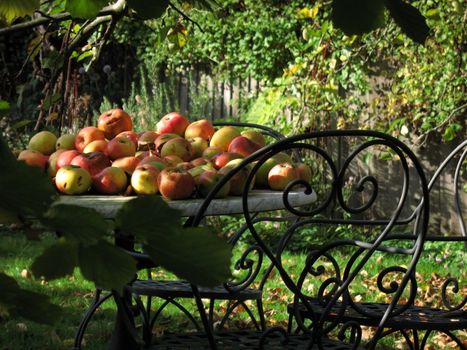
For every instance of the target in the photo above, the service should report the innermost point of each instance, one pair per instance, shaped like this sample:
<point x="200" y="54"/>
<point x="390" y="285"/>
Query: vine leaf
<point x="147" y="216"/>
<point x="84" y="8"/>
<point x="64" y="252"/>
<point x="409" y="19"/>
<point x="108" y="266"/>
<point x="357" y="16"/>
<point x="23" y="189"/>
<point x="30" y="305"/>
<point x="4" y="108"/>
<point x="10" y="9"/>
<point x="194" y="254"/>
<point x="83" y="224"/>
<point x="148" y="9"/>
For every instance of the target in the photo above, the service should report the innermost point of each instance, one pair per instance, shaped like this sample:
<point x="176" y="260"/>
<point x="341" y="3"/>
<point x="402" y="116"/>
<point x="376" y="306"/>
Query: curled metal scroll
<point x="455" y="289"/>
<point x="355" y="333"/>
<point x="250" y="266"/>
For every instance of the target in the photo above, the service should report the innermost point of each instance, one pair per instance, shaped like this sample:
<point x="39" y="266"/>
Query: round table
<point x="258" y="201"/>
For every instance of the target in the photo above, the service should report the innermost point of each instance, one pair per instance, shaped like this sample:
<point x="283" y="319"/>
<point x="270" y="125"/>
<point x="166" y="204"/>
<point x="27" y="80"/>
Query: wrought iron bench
<point x="325" y="331"/>
<point x="419" y="318"/>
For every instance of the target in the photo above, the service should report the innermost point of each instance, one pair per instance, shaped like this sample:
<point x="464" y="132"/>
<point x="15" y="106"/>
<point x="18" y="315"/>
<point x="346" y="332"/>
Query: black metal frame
<point x="411" y="319"/>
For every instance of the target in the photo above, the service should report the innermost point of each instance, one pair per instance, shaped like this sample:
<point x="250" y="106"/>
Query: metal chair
<point x="322" y="327"/>
<point x="420" y="320"/>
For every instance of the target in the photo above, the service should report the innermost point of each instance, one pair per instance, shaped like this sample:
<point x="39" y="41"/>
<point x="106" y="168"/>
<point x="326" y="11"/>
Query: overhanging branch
<point x="113" y="9"/>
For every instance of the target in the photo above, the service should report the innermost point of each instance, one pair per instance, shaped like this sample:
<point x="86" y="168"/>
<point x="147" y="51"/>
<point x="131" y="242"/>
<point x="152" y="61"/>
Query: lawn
<point x="74" y="294"/>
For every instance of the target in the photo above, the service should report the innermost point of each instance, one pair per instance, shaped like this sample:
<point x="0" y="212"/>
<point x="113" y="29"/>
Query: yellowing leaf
<point x="10" y="9"/>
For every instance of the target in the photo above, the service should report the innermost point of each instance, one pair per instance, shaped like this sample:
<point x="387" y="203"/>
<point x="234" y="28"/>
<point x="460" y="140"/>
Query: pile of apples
<point x="179" y="159"/>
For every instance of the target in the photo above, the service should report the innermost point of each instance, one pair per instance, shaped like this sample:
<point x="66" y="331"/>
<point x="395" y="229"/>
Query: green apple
<point x="65" y="141"/>
<point x="44" y="142"/>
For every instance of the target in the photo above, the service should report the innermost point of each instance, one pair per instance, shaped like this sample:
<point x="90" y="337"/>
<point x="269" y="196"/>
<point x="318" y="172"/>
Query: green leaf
<point x="21" y="124"/>
<point x="30" y="305"/>
<point x="450" y="132"/>
<point x="10" y="9"/>
<point x="83" y="224"/>
<point x="85" y="8"/>
<point x="4" y="108"/>
<point x="7" y="158"/>
<point x="148" y="9"/>
<point x="53" y="61"/>
<point x="357" y="16"/>
<point x="23" y="189"/>
<point x="50" y="100"/>
<point x="194" y="254"/>
<point x="56" y="261"/>
<point x="108" y="266"/>
<point x="146" y="217"/>
<point x="409" y="19"/>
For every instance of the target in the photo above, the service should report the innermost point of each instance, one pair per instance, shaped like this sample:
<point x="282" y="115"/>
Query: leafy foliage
<point x="10" y="9"/>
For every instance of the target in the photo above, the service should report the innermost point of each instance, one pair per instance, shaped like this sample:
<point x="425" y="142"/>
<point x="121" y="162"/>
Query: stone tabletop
<point x="258" y="201"/>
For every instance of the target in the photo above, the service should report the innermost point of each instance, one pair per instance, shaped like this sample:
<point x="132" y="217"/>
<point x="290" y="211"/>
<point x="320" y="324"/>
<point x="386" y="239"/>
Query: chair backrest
<point x="356" y="192"/>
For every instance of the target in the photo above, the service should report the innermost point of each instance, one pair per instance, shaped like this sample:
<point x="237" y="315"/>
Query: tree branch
<point x="113" y="9"/>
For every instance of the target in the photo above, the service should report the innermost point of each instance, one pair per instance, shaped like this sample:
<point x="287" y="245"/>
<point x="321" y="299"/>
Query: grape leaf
<point x="83" y="224"/>
<point x="194" y="254"/>
<point x="56" y="261"/>
<point x="146" y="217"/>
<point x="10" y="9"/>
<point x="148" y="9"/>
<point x="30" y="305"/>
<point x="409" y="19"/>
<point x="357" y="16"/>
<point x="85" y="8"/>
<point x="108" y="266"/>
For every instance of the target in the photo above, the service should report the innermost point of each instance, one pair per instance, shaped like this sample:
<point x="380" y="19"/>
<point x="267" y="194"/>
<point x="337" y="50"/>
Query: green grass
<point x="74" y="294"/>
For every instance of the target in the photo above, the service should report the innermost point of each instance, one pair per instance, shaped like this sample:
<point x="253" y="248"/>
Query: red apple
<point x="176" y="184"/>
<point x="172" y="160"/>
<point x="281" y="175"/>
<point x="96" y="146"/>
<point x="222" y="159"/>
<point x="198" y="144"/>
<point x="133" y="136"/>
<point x="238" y="180"/>
<point x="86" y="136"/>
<point x="127" y="164"/>
<point x="159" y="163"/>
<point x="114" y="122"/>
<point x="146" y="140"/>
<point x="162" y="139"/>
<point x="263" y="171"/>
<point x="174" y="123"/>
<point x="223" y="137"/>
<point x="93" y="162"/>
<point x="199" y="161"/>
<point x="110" y="180"/>
<point x="243" y="145"/>
<point x="120" y="147"/>
<point x="34" y="158"/>
<point x="178" y="147"/>
<point x="208" y="180"/>
<point x="211" y="152"/>
<point x="201" y="128"/>
<point x="255" y="136"/>
<point x="304" y="172"/>
<point x="66" y="157"/>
